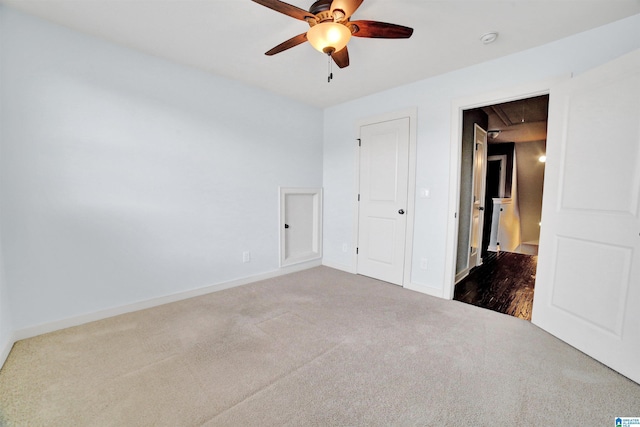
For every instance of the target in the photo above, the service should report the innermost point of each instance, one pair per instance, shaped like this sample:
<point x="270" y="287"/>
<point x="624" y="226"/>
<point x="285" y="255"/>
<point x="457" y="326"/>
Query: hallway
<point x="503" y="283"/>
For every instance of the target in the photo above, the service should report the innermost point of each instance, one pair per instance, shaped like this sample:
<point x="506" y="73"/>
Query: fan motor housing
<point x="322" y="10"/>
<point x="320" y="6"/>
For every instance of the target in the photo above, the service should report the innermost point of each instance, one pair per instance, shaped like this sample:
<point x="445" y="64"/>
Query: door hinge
<point x="359" y="142"/>
<point x="356" y="251"/>
<point x="477" y="145"/>
<point x="358" y="197"/>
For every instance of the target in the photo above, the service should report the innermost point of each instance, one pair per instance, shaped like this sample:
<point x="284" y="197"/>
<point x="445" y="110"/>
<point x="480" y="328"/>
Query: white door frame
<point x="528" y="90"/>
<point x="412" y="114"/>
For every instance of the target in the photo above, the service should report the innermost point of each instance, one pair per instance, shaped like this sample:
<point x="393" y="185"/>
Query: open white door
<point x="479" y="188"/>
<point x="587" y="291"/>
<point x="384" y="172"/>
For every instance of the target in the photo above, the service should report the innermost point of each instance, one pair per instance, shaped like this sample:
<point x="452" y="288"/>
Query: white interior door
<point x="587" y="291"/>
<point x="479" y="187"/>
<point x="384" y="173"/>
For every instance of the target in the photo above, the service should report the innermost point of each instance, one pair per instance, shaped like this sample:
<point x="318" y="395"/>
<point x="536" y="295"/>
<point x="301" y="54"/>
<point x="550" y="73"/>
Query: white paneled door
<point x="587" y="291"/>
<point x="479" y="188"/>
<point x="384" y="174"/>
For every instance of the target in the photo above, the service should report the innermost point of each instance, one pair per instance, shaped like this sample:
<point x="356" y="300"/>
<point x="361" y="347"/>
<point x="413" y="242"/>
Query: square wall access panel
<point x="300" y="225"/>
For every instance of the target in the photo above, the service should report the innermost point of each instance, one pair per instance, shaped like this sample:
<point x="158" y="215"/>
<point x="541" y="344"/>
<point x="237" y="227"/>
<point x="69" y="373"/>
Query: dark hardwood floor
<point x="503" y="283"/>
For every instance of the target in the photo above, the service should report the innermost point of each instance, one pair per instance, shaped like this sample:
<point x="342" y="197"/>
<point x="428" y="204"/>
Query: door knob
<point x="401" y="211"/>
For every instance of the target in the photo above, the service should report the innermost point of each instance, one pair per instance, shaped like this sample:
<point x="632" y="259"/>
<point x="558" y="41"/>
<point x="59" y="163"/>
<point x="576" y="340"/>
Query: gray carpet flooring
<point x="315" y="348"/>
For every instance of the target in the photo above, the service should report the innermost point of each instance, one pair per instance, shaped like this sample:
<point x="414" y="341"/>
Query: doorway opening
<point x="500" y="204"/>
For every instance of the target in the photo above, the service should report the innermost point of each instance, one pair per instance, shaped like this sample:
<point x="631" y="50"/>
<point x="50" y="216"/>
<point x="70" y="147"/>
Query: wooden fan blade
<point x="347" y="6"/>
<point x="287" y="9"/>
<point x="341" y="58"/>
<point x="379" y="30"/>
<point x="292" y="42"/>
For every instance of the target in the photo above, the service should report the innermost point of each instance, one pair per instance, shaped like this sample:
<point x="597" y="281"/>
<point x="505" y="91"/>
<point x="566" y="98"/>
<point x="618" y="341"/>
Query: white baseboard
<point x="44" y="328"/>
<point x="5" y="349"/>
<point x="423" y="289"/>
<point x="341" y="267"/>
<point x="434" y="292"/>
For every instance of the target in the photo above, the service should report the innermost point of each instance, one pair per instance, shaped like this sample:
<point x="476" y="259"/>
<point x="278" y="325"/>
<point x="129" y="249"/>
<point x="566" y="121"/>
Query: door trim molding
<point x="499" y="96"/>
<point x="412" y="115"/>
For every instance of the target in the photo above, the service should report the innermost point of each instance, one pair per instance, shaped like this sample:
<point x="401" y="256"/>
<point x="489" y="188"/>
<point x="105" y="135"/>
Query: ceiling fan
<point x="331" y="27"/>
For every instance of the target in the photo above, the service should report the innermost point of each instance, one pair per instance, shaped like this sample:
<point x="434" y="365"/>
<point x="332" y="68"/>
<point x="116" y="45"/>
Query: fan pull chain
<point x="330" y="77"/>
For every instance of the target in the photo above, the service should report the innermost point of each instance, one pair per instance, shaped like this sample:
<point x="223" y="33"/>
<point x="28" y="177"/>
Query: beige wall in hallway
<point x="530" y="181"/>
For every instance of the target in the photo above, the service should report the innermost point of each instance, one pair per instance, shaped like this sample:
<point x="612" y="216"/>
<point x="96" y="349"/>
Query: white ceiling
<point x="229" y="37"/>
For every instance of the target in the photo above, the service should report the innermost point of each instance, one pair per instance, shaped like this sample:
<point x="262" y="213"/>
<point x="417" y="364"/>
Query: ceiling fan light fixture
<point x="329" y="37"/>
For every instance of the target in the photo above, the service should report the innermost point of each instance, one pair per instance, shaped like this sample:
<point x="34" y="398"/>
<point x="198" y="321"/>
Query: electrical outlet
<point x="423" y="263"/>
<point x="246" y="257"/>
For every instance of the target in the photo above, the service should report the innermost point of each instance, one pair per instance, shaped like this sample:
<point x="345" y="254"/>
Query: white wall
<point x="434" y="98"/>
<point x="6" y="325"/>
<point x="126" y="177"/>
